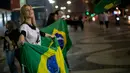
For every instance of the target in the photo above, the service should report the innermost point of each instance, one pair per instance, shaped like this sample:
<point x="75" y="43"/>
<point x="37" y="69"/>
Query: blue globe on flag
<point x="60" y="40"/>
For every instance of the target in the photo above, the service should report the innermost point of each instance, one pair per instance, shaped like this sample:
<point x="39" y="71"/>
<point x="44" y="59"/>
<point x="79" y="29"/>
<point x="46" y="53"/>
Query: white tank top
<point x="31" y="34"/>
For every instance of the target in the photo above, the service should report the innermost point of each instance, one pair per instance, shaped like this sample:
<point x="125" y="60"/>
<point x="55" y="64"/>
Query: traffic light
<point x="92" y="14"/>
<point x="87" y="12"/>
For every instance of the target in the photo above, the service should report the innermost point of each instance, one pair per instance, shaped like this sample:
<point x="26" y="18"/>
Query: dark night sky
<point x="76" y="6"/>
<point x="124" y="3"/>
<point x="5" y="4"/>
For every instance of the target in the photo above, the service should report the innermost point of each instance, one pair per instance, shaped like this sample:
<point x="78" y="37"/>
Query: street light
<point x="68" y="2"/>
<point x="126" y="10"/>
<point x="68" y="16"/>
<point x="129" y="19"/>
<point x="52" y="1"/>
<point x="64" y="8"/>
<point x="56" y="7"/>
<point x="69" y="10"/>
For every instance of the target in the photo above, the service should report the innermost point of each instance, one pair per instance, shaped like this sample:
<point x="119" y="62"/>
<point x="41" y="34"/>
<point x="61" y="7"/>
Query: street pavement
<point x="95" y="50"/>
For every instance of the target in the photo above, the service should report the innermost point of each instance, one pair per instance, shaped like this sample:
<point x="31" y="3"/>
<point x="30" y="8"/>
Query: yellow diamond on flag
<point x="109" y="6"/>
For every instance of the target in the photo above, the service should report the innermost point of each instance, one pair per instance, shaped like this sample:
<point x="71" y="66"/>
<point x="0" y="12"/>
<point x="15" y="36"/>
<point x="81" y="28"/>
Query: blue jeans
<point x="10" y="60"/>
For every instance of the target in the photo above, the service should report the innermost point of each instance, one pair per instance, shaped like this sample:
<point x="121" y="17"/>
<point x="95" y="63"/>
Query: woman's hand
<point x="52" y="36"/>
<point x="20" y="43"/>
<point x="48" y="35"/>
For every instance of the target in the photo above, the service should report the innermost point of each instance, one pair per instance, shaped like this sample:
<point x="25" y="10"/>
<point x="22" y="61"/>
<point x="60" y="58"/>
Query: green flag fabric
<point x="47" y="58"/>
<point x="104" y="5"/>
<point x="60" y="30"/>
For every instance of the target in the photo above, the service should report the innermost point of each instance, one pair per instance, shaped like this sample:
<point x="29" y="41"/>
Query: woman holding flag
<point x="29" y="32"/>
<point x="32" y="35"/>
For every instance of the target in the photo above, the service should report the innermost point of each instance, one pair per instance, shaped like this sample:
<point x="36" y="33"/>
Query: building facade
<point x="10" y="10"/>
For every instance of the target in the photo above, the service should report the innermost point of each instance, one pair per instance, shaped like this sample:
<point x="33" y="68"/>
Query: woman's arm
<point x="21" y="40"/>
<point x="23" y="33"/>
<point x="46" y="35"/>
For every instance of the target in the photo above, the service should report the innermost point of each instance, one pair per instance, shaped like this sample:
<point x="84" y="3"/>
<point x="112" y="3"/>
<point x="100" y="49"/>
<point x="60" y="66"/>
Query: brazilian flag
<point x="104" y="5"/>
<point x="60" y="30"/>
<point x="47" y="58"/>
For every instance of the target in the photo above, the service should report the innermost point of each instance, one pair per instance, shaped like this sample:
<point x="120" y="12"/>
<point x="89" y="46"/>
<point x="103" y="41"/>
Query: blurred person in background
<point x="52" y="18"/>
<point x="106" y="20"/>
<point x="101" y="20"/>
<point x="60" y="13"/>
<point x="10" y="45"/>
<point x="81" y="22"/>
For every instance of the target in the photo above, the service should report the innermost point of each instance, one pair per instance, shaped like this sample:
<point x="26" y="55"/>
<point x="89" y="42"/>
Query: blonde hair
<point x="22" y="15"/>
